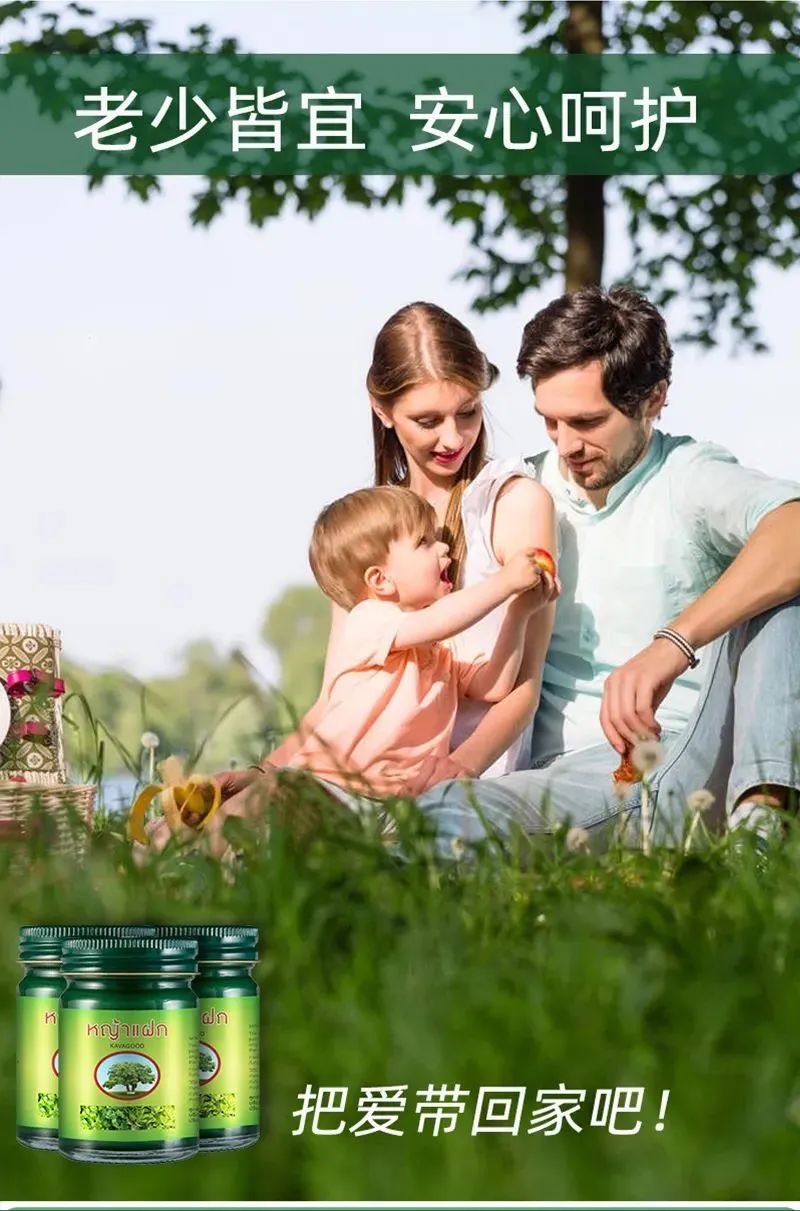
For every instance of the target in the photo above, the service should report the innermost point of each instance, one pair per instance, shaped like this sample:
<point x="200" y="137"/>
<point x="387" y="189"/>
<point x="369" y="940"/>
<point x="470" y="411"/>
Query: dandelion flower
<point x="150" y="742"/>
<point x="647" y="755"/>
<point x="700" y="801"/>
<point x="577" y="840"/>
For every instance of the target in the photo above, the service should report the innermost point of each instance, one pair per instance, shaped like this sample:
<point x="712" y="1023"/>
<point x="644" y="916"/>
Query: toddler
<point x="384" y="721"/>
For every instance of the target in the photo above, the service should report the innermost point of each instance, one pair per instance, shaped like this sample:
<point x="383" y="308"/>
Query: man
<point x="668" y="547"/>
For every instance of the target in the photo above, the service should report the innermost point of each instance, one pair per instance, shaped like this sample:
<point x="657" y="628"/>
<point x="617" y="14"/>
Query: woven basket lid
<point x="30" y="630"/>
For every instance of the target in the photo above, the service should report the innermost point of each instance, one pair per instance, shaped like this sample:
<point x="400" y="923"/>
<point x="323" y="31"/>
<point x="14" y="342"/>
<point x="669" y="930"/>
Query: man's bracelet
<point x="680" y="642"/>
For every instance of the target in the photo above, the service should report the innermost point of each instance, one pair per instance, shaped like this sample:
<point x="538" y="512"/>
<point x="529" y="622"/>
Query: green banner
<point x="515" y="115"/>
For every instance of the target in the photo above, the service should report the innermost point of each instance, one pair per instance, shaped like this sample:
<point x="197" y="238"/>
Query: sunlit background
<point x="178" y="403"/>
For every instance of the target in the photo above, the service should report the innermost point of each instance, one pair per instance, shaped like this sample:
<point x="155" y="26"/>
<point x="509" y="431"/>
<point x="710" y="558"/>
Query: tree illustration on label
<point x="208" y="1063"/>
<point x="129" y="1075"/>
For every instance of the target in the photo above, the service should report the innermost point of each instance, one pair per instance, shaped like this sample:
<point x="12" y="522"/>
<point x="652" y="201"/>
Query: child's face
<point x="416" y="571"/>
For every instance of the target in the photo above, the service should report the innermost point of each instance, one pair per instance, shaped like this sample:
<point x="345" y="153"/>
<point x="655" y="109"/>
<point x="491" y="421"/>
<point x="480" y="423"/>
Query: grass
<point x="666" y="971"/>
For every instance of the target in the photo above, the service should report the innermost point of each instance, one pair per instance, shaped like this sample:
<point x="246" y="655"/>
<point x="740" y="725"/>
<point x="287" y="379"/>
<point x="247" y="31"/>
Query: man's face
<point x="597" y="443"/>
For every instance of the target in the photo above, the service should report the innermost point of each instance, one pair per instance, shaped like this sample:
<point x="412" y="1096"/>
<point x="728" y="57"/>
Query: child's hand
<point x="159" y="833"/>
<point x="244" y="794"/>
<point x="232" y="781"/>
<point x="522" y="572"/>
<point x="547" y="590"/>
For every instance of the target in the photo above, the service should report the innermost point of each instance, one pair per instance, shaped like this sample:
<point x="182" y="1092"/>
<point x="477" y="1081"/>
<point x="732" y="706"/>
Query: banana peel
<point x="186" y="802"/>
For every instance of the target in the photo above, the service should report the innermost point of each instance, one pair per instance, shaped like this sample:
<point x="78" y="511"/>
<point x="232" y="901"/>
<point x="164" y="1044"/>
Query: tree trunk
<point x="584" y="34"/>
<point x="585" y="203"/>
<point x="586" y="234"/>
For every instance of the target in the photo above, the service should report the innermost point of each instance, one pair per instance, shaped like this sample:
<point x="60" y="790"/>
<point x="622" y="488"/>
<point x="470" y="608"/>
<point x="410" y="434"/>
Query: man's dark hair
<point x="619" y="328"/>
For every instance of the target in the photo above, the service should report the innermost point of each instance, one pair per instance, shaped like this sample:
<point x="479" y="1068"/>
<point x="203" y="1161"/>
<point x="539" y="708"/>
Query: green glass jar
<point x="37" y="1025"/>
<point x="128" y="1037"/>
<point x="229" y="1032"/>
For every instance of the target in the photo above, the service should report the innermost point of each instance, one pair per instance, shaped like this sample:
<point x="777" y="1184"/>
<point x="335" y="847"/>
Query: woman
<point x="425" y="386"/>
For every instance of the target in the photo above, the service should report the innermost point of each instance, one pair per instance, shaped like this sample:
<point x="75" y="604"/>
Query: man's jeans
<point x="743" y="732"/>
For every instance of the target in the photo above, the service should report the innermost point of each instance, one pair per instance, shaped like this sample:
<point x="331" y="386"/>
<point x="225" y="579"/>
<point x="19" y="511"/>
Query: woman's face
<point x="437" y="424"/>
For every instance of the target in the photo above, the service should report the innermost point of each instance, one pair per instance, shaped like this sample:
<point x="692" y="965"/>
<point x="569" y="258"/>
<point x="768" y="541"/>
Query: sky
<point x="177" y="404"/>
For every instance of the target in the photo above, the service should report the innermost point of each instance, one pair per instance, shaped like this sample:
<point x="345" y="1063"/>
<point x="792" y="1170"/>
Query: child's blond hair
<point x="354" y="533"/>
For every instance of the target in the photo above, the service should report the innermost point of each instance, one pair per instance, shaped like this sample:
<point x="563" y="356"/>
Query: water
<point x="118" y="791"/>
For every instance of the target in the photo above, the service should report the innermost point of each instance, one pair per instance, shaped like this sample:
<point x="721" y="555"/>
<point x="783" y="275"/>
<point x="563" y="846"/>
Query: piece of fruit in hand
<point x="626" y="771"/>
<point x="186" y="801"/>
<point x="544" y="560"/>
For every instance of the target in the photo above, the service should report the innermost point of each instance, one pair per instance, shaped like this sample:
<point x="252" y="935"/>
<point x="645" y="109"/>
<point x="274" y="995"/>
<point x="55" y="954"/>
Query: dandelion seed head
<point x="700" y="801"/>
<point x="149" y="740"/>
<point x="577" y="840"/>
<point x="647" y="755"/>
<point x="457" y="847"/>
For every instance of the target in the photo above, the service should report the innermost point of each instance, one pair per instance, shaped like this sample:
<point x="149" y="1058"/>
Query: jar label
<point x="229" y="1061"/>
<point x="128" y="1076"/>
<point x="37" y="1062"/>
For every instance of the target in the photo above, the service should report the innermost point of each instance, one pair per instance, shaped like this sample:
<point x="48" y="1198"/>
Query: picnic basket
<point x="34" y="793"/>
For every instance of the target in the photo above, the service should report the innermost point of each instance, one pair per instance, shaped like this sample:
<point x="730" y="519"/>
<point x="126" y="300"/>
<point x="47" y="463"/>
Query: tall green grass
<point x="670" y="971"/>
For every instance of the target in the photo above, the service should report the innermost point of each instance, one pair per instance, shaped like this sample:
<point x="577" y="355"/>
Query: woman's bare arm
<point x="507" y="719"/>
<point x="524" y="518"/>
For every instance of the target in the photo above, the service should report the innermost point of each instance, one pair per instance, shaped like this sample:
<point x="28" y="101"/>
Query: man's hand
<point x="634" y="691"/>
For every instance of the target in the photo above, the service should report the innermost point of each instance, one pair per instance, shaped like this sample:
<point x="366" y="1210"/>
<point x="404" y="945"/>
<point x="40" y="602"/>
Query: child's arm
<point x="495" y="679"/>
<point x="231" y="782"/>
<point x="464" y="607"/>
<point x="283" y="754"/>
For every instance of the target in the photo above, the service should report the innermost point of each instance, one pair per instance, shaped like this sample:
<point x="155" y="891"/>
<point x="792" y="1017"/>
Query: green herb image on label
<point x="218" y="1105"/>
<point x="127" y="1118"/>
<point x="37" y="1061"/>
<point x="47" y="1104"/>
<point x="228" y="1062"/>
<point x="128" y="1075"/>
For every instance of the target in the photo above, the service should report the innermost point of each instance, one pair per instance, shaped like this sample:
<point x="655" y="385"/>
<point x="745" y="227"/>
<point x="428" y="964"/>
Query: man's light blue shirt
<point x="666" y="533"/>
